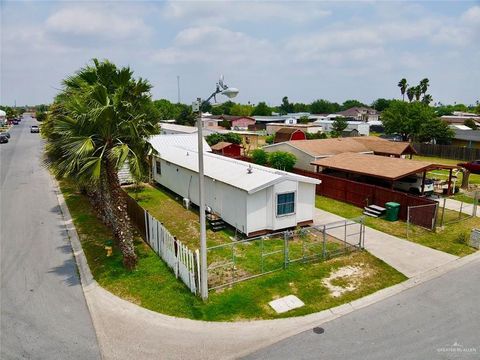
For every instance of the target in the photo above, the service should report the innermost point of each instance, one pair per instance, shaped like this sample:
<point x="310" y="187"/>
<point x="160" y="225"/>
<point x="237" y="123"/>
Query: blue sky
<point x="303" y="50"/>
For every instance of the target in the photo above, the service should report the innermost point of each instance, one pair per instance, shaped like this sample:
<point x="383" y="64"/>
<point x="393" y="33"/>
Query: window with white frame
<point x="285" y="204"/>
<point x="158" y="167"/>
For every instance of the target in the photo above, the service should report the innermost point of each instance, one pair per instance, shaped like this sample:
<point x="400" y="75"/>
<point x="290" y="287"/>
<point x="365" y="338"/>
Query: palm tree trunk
<point x="121" y="225"/>
<point x="96" y="198"/>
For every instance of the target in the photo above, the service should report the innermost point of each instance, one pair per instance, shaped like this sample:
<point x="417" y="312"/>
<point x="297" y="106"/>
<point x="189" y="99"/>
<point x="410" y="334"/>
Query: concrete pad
<point x="286" y="303"/>
<point x="410" y="258"/>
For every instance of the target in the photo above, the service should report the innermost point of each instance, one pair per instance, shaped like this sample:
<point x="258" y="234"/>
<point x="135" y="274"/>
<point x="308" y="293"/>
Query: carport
<point x="388" y="169"/>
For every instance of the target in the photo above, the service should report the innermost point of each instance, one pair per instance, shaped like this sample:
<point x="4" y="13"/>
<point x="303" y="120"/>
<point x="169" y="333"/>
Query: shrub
<point x="282" y="160"/>
<point x="269" y="139"/>
<point x="260" y="156"/>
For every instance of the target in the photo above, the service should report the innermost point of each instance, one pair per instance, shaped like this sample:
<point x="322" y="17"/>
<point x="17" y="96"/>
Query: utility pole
<point x="201" y="205"/>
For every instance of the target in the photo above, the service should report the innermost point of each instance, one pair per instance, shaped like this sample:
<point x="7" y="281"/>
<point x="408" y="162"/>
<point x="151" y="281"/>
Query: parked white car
<point x="413" y="184"/>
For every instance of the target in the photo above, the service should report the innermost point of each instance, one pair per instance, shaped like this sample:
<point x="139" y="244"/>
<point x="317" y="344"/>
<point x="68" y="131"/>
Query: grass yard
<point x="443" y="174"/>
<point x="451" y="239"/>
<point x="153" y="286"/>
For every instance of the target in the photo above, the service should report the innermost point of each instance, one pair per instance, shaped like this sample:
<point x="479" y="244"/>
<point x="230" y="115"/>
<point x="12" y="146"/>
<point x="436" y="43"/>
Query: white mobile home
<point x="252" y="198"/>
<point x="362" y="127"/>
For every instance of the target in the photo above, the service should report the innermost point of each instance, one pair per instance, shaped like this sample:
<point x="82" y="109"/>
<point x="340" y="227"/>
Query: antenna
<point x="178" y="89"/>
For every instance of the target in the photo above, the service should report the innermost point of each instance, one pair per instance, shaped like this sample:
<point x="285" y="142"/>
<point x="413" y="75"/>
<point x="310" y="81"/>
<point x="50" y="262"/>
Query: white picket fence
<point x="183" y="261"/>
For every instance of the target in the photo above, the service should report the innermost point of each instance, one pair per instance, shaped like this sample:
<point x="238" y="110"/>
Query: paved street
<point x="439" y="319"/>
<point x="43" y="309"/>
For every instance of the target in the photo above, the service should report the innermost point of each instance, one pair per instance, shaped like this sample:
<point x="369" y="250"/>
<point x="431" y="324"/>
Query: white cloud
<point x="472" y="15"/>
<point x="98" y="21"/>
<point x="222" y="12"/>
<point x="210" y="43"/>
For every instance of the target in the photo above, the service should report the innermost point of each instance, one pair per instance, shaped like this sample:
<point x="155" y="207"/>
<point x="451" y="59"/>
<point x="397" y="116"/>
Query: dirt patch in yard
<point x="345" y="279"/>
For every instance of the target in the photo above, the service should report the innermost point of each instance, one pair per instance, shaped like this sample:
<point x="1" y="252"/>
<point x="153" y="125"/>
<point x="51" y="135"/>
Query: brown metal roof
<point x="221" y="145"/>
<point x="328" y="147"/>
<point x="373" y="165"/>
<point x="385" y="147"/>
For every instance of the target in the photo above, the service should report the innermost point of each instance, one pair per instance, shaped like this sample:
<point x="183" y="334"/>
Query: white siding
<point x="284" y="221"/>
<point x="305" y="207"/>
<point x="229" y="202"/>
<point x="303" y="159"/>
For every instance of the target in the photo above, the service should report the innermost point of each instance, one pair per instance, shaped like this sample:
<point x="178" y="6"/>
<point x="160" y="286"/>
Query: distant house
<point x="350" y="133"/>
<point x="289" y="134"/>
<point x="460" y="119"/>
<point x="307" y="151"/>
<point x="362" y="127"/>
<point x="467" y="138"/>
<point x="361" y="114"/>
<point x="311" y="128"/>
<point x="253" y="199"/>
<point x="235" y="122"/>
<point x="173" y="129"/>
<point x="227" y="149"/>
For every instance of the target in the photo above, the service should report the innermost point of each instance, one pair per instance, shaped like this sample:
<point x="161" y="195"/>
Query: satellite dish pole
<point x="178" y="89"/>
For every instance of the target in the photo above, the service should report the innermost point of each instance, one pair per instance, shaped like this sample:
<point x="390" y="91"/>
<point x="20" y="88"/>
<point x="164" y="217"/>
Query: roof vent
<point x="249" y="169"/>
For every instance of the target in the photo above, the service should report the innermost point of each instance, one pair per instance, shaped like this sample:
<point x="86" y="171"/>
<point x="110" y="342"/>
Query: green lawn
<point x="153" y="286"/>
<point x="443" y="174"/>
<point x="451" y="239"/>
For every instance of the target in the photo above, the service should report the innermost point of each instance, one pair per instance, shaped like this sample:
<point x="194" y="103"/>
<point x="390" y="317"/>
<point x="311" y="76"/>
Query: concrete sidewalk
<point x="456" y="205"/>
<point x="409" y="258"/>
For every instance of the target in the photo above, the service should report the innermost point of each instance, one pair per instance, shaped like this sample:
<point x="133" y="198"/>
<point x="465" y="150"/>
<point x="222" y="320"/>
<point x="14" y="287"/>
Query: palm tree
<point x="410" y="93"/>
<point x="402" y="84"/>
<point x="427" y="99"/>
<point x="424" y="84"/>
<point x="102" y="121"/>
<point x="417" y="92"/>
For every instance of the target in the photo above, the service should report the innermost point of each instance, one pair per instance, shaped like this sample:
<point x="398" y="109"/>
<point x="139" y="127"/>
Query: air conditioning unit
<point x="186" y="203"/>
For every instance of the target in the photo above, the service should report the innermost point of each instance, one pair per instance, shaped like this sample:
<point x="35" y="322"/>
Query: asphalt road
<point x="43" y="310"/>
<point x="439" y="319"/>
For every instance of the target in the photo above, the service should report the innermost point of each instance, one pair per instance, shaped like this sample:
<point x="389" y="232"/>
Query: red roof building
<point x="289" y="134"/>
<point x="227" y="149"/>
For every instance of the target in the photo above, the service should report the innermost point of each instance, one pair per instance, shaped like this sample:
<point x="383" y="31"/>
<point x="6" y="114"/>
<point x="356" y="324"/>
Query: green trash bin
<point x="393" y="210"/>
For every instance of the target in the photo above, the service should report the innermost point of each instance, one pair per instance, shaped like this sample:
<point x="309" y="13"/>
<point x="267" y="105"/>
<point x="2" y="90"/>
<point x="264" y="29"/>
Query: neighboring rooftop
<point x="183" y="141"/>
<point x="178" y="128"/>
<point x="359" y="144"/>
<point x="222" y="145"/>
<point x="384" y="147"/>
<point x="327" y="147"/>
<point x="373" y="165"/>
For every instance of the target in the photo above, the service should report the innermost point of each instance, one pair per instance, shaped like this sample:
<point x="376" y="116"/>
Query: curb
<point x="86" y="278"/>
<point x="305" y="322"/>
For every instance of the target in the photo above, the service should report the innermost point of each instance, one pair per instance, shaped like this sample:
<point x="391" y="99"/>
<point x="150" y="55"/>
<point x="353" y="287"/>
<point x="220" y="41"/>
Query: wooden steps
<point x="374" y="211"/>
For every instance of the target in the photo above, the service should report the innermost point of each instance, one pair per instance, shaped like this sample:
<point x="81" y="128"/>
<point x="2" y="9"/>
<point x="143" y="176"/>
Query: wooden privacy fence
<point x="361" y="195"/>
<point x="183" y="261"/>
<point x="448" y="151"/>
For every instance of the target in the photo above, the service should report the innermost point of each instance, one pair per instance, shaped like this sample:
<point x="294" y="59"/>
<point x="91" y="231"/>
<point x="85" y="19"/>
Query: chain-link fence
<point x="246" y="259"/>
<point x="452" y="211"/>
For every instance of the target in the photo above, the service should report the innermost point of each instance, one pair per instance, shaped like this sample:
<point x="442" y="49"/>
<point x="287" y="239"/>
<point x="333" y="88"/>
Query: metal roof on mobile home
<point x="240" y="174"/>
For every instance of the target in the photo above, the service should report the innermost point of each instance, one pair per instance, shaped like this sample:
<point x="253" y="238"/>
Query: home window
<point x="158" y="167"/>
<point x="285" y="204"/>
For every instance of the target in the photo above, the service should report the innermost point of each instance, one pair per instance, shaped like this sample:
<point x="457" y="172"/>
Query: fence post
<point x="285" y="249"/>
<point x="461" y="208"/>
<point x="146" y="225"/>
<point x="434" y="220"/>
<point x="408" y="220"/>
<point x="443" y="212"/>
<point x="324" y="250"/>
